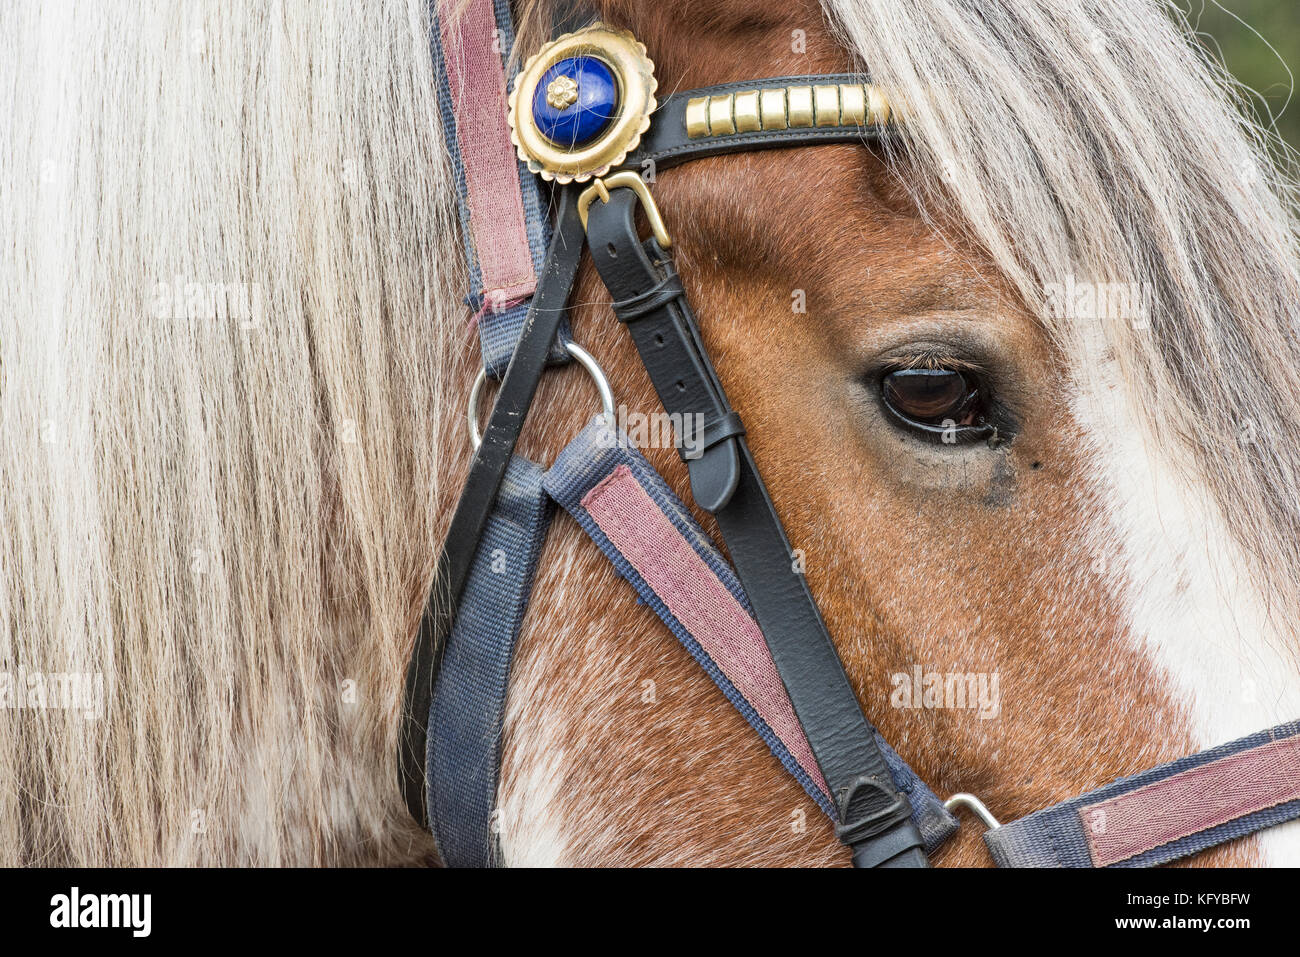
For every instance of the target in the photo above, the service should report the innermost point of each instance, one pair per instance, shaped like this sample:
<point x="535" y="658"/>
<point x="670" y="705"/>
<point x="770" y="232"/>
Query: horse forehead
<point x="785" y="200"/>
<point x="832" y="220"/>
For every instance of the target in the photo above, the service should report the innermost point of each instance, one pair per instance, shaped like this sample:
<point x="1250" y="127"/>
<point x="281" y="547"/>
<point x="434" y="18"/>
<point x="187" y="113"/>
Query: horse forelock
<point x="1096" y="145"/>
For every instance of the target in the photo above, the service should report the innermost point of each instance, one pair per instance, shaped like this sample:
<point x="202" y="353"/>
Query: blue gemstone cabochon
<point x="580" y="123"/>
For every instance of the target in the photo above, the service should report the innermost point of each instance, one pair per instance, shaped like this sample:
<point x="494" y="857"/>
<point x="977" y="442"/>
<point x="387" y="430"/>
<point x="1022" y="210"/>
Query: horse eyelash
<point x="932" y="359"/>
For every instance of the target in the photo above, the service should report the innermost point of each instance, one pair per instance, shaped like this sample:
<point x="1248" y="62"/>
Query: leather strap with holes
<point x="875" y="818"/>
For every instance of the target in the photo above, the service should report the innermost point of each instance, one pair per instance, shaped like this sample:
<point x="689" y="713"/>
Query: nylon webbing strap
<point x="1165" y="813"/>
<point x="504" y="227"/>
<point x="654" y="542"/>
<point x="486" y="473"/>
<point x="468" y="708"/>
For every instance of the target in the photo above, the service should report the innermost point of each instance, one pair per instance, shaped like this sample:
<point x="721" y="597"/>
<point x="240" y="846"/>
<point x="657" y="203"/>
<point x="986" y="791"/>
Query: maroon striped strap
<point x="1192" y="801"/>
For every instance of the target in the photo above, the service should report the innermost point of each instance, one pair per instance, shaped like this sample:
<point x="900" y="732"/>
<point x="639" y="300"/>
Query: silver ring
<point x="585" y="359"/>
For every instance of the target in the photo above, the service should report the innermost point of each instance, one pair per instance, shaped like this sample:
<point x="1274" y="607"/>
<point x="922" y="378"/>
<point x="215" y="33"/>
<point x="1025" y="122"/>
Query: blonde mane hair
<point x="232" y="286"/>
<point x="224" y="508"/>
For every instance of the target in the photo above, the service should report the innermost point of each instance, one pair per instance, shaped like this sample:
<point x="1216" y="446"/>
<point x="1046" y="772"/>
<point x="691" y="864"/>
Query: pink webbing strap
<point x="1193" y="801"/>
<point x="696" y="597"/>
<point x="477" y="81"/>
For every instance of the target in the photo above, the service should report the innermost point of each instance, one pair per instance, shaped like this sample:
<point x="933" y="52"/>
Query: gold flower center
<point x="562" y="92"/>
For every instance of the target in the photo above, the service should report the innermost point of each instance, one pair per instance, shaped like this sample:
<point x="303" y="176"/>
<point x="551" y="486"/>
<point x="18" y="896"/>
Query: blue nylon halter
<point x="1055" y="836"/>
<point x="498" y="331"/>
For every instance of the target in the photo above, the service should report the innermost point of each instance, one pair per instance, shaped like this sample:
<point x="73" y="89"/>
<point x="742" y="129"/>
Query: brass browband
<point x="585" y="106"/>
<point x="762" y="114"/>
<point x="786" y="107"/>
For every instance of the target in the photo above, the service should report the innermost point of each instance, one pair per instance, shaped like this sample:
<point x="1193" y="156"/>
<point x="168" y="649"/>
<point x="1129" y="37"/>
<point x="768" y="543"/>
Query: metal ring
<point x="585" y="359"/>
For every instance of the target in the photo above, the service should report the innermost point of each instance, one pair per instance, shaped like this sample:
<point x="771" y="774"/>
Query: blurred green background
<point x="1248" y="56"/>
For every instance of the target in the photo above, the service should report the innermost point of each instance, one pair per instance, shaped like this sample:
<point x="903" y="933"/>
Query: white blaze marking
<point x="1191" y="603"/>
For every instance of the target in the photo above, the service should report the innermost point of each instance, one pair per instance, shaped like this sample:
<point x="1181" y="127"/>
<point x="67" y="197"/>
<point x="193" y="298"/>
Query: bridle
<point x="874" y="816"/>
<point x="583" y="115"/>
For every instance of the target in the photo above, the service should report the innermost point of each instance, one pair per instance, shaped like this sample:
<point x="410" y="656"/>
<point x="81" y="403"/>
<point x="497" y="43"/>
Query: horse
<point x="236" y="359"/>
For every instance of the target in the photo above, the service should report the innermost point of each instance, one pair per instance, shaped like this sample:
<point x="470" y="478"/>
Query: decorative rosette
<point x="581" y="103"/>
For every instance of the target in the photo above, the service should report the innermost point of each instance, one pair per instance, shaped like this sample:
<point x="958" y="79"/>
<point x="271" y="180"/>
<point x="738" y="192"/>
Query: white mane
<point x="226" y="510"/>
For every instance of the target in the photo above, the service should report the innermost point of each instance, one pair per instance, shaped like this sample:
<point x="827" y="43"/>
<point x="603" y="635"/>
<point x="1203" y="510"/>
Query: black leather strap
<point x="675" y="361"/>
<point x="666" y="290"/>
<point x="716" y="431"/>
<point x="548" y="307"/>
<point x="875" y="818"/>
<point x="666" y="143"/>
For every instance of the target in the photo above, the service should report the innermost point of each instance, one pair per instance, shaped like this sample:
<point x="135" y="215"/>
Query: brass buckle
<point x="627" y="179"/>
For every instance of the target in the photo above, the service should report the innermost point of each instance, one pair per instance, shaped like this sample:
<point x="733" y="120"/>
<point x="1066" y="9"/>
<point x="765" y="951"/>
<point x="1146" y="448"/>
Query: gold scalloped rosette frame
<point x="633" y="73"/>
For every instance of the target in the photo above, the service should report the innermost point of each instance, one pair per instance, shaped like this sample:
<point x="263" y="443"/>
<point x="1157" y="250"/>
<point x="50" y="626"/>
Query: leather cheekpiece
<point x="875" y="817"/>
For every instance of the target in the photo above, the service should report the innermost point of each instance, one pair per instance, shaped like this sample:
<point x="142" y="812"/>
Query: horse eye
<point x="933" y="397"/>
